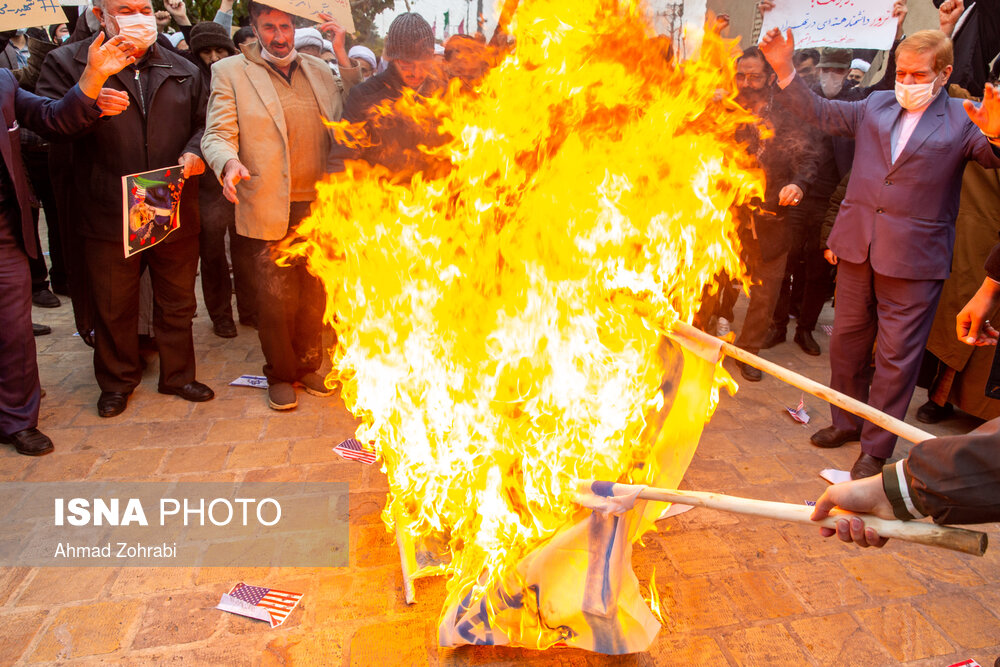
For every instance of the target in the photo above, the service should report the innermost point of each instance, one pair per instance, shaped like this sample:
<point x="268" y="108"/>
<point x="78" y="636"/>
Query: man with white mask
<point x="893" y="237"/>
<point x="267" y="142"/>
<point x="161" y="127"/>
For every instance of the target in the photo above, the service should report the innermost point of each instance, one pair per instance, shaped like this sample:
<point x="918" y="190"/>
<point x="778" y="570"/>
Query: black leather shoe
<point x="112" y="403"/>
<point x="193" y="391"/>
<point x="774" y="336"/>
<point x="866" y="466"/>
<point x="805" y="340"/>
<point x="224" y="329"/>
<point x="749" y="373"/>
<point x="30" y="442"/>
<point x="43" y="298"/>
<point x="831" y="437"/>
<point x="931" y="413"/>
<point x="40" y="329"/>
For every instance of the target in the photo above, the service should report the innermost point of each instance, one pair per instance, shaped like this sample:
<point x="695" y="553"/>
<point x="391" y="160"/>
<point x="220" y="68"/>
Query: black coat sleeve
<point x="954" y="479"/>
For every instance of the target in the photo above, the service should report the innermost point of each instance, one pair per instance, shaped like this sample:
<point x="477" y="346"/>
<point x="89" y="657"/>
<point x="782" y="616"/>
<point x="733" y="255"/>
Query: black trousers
<point x="69" y="239"/>
<point x="808" y="280"/>
<point x="290" y="303"/>
<point x="36" y="161"/>
<point x="218" y="218"/>
<point x="114" y="281"/>
<point x="20" y="391"/>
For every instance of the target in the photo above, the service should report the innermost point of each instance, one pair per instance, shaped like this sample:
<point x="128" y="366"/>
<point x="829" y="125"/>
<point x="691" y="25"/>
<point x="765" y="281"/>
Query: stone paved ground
<point x="737" y="591"/>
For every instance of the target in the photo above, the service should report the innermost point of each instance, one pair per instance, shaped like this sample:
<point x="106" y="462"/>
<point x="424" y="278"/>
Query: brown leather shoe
<point x="866" y="466"/>
<point x="831" y="437"/>
<point x="30" y="442"/>
<point x="804" y="339"/>
<point x="112" y="403"/>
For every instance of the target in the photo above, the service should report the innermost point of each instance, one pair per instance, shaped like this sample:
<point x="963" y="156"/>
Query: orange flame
<point x="477" y="336"/>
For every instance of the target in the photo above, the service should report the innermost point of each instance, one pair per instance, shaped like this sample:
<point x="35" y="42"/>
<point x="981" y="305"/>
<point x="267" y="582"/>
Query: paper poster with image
<point x="151" y="207"/>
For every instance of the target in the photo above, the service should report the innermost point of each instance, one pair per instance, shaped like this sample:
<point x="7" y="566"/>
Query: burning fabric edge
<point x="579" y="590"/>
<point x="479" y="339"/>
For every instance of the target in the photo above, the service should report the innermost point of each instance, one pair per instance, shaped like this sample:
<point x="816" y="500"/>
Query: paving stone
<point x="262" y="454"/>
<point x="761" y="544"/>
<point x="202" y="458"/>
<point x="61" y="466"/>
<point x="765" y="645"/>
<point x="386" y="643"/>
<point x="838" y="640"/>
<point x="698" y="603"/>
<point x="19" y="629"/>
<point x="12" y="579"/>
<point x="766" y="469"/>
<point x="236" y="430"/>
<point x="180" y="433"/>
<point x="964" y="620"/>
<point x="142" y="580"/>
<point x="703" y="651"/>
<point x="125" y="436"/>
<point x="935" y="566"/>
<point x="823" y="585"/>
<point x="903" y="632"/>
<point x="366" y="508"/>
<point x="13" y="466"/>
<point x="281" y="474"/>
<point x="130" y="464"/>
<point x="883" y="576"/>
<point x="697" y="552"/>
<point x="86" y="630"/>
<point x="177" y="618"/>
<point x="49" y="585"/>
<point x="314" y="450"/>
<point x="761" y="594"/>
<point x="292" y="425"/>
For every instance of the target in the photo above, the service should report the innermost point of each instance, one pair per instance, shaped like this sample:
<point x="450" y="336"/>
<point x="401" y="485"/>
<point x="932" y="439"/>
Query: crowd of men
<point x="863" y="186"/>
<point x="182" y="99"/>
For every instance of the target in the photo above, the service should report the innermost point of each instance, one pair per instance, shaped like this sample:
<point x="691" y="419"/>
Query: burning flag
<point x="499" y="324"/>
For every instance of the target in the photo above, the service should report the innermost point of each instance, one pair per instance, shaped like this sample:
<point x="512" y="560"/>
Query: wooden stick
<point x="404" y="546"/>
<point x="877" y="417"/>
<point x="946" y="537"/>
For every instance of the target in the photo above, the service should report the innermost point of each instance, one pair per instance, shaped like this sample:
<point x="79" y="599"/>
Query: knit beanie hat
<point x="409" y="38"/>
<point x="210" y="35"/>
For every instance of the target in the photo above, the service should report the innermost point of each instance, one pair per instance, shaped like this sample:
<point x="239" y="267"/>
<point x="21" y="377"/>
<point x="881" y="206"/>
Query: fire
<point x="479" y="339"/>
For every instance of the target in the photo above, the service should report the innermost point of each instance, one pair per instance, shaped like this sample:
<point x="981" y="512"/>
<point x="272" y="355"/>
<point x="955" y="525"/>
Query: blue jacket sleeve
<point x="55" y="119"/>
<point x="831" y="116"/>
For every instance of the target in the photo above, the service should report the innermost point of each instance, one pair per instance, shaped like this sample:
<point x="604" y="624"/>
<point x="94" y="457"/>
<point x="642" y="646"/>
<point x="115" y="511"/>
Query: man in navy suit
<point x="893" y="238"/>
<point x="83" y="104"/>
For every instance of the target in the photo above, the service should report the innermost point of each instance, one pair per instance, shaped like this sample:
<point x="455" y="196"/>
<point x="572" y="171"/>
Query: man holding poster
<point x="20" y="392"/>
<point x="893" y="238"/>
<point x="161" y="128"/>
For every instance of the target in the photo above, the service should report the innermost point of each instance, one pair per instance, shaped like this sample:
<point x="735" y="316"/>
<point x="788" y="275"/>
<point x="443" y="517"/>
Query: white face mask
<point x="281" y="62"/>
<point x="915" y="95"/>
<point x="831" y="83"/>
<point x="140" y="29"/>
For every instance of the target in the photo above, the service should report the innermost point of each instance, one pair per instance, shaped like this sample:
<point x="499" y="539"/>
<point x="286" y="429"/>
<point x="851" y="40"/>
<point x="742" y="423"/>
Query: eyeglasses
<point x="750" y="78"/>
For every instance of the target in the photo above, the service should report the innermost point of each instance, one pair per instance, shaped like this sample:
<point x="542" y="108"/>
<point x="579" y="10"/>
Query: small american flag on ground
<point x="799" y="413"/>
<point x="265" y="604"/>
<point x="352" y="450"/>
<point x="966" y="663"/>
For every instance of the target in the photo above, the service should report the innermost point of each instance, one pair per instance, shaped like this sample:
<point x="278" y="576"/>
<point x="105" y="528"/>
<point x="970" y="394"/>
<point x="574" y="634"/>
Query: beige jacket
<point x="243" y="98"/>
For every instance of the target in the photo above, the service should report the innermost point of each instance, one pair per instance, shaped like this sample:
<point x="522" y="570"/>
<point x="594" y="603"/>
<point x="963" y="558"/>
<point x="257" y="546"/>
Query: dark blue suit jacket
<point x="902" y="215"/>
<point x="53" y="119"/>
